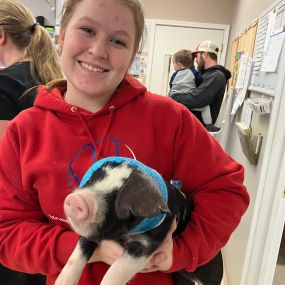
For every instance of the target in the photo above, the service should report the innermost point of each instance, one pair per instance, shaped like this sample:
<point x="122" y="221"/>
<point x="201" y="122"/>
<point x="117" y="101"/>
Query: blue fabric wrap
<point x="147" y="223"/>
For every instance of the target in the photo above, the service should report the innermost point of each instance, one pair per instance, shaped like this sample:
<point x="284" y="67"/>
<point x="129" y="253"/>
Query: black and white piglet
<point x="123" y="200"/>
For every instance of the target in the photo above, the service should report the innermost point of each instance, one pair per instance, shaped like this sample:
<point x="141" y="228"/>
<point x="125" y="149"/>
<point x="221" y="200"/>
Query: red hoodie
<point x="47" y="149"/>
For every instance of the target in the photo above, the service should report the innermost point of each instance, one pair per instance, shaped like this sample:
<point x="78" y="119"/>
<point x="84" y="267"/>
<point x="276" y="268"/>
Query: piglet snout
<point x="80" y="207"/>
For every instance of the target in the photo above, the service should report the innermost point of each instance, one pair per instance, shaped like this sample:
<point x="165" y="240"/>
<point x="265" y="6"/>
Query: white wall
<point x="206" y="11"/>
<point x="246" y="11"/>
<point x="41" y="8"/>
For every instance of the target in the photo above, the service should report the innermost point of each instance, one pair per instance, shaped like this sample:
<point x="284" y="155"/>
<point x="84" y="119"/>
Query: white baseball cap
<point x="207" y="46"/>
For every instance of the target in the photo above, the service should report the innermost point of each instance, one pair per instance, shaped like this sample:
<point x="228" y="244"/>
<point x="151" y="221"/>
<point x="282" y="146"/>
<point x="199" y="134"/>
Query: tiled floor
<point x="279" y="276"/>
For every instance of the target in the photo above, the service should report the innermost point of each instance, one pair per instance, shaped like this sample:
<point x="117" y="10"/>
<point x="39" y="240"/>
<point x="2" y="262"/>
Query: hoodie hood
<point x="128" y="90"/>
<point x="225" y="71"/>
<point x="53" y="101"/>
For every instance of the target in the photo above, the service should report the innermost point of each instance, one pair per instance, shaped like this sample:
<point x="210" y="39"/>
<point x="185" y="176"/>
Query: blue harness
<point x="147" y="223"/>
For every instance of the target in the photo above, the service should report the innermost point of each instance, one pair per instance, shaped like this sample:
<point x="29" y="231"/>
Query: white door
<point x="167" y="37"/>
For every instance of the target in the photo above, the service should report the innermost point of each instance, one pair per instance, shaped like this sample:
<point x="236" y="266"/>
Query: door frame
<point x="153" y="23"/>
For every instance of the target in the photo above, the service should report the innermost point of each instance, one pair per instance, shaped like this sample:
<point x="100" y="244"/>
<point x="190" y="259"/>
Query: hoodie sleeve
<point x="204" y="94"/>
<point x="214" y="181"/>
<point x="28" y="242"/>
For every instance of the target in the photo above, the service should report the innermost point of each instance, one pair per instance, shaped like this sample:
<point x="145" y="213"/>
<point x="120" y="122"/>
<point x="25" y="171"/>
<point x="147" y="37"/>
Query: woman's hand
<point x="107" y="251"/>
<point x="163" y="257"/>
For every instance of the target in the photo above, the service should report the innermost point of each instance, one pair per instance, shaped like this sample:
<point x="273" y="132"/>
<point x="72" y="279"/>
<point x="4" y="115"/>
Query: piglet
<point x="123" y="200"/>
<point x="118" y="199"/>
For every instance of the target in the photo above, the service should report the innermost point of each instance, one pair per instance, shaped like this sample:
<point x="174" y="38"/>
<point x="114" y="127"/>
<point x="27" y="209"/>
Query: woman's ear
<point x="3" y="36"/>
<point x="60" y="42"/>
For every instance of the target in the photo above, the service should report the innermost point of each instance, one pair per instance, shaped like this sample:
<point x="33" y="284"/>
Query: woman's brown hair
<point x="19" y="23"/>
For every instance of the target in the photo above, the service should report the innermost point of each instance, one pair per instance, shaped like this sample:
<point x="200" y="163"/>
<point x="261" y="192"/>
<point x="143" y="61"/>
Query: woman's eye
<point x="119" y="42"/>
<point x="87" y="30"/>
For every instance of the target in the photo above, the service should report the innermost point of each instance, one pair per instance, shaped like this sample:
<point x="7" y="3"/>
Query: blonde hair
<point x="19" y="23"/>
<point x="184" y="56"/>
<point x="134" y="5"/>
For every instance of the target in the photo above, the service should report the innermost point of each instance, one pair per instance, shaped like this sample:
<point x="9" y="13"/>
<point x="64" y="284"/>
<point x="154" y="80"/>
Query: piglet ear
<point x="139" y="196"/>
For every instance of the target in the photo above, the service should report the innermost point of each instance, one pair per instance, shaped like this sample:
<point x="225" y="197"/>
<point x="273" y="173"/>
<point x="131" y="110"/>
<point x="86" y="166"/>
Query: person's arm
<point x="29" y="243"/>
<point x="214" y="181"/>
<point x="204" y="94"/>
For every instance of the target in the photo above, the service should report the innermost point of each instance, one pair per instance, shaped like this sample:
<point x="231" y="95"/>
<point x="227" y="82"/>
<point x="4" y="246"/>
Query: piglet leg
<point x="124" y="269"/>
<point x="72" y="270"/>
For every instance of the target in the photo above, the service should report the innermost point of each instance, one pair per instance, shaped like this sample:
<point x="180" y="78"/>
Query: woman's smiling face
<point x="97" y="49"/>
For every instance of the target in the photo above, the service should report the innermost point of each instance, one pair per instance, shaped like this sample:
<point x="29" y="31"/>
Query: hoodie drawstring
<point x="111" y="115"/>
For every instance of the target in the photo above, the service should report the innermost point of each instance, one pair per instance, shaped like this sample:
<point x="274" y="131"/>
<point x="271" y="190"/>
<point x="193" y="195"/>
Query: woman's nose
<point x="98" y="49"/>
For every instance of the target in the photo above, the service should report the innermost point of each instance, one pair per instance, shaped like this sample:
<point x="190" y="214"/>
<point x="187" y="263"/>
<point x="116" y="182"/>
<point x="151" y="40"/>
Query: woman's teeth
<point x="91" y="68"/>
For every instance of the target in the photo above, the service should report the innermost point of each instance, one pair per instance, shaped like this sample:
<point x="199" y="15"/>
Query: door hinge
<point x="284" y="192"/>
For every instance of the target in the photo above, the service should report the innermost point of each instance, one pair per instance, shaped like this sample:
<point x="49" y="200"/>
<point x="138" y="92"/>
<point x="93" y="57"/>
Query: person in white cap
<point x="211" y="91"/>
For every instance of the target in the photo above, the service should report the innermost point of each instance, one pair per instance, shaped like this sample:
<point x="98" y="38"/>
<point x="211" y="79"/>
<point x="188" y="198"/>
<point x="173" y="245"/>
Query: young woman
<point x="30" y="58"/>
<point x="100" y="111"/>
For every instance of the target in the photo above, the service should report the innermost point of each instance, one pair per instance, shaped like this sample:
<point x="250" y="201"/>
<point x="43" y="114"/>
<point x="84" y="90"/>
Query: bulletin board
<point x="243" y="44"/>
<point x="233" y="62"/>
<point x="271" y="26"/>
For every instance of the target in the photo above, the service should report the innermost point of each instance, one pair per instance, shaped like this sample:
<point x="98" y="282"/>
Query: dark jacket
<point x="210" y="92"/>
<point x="14" y="81"/>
